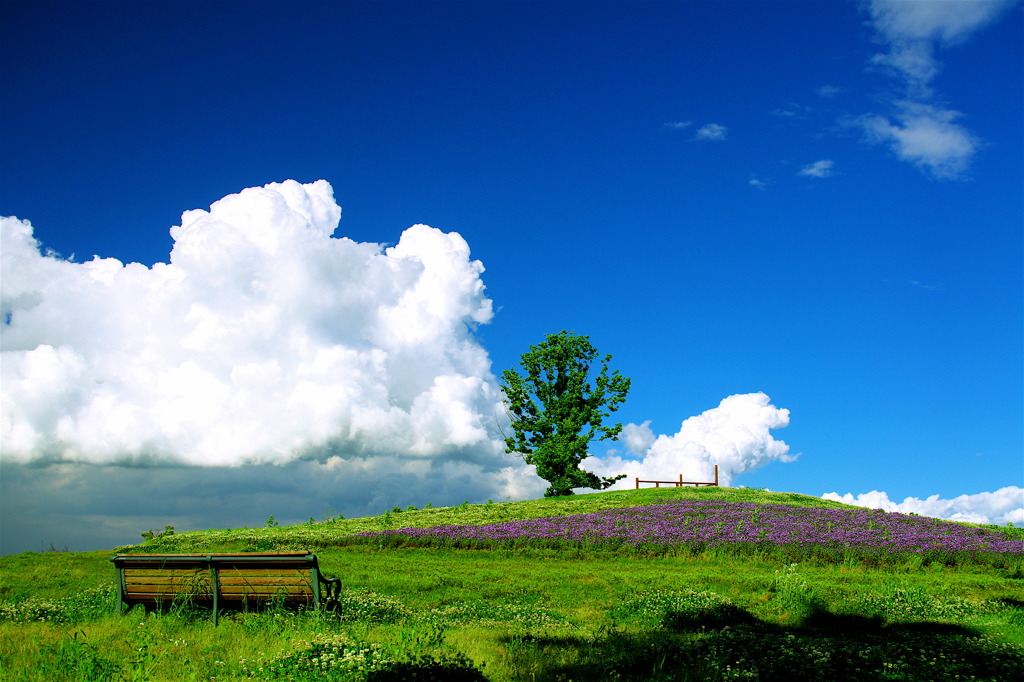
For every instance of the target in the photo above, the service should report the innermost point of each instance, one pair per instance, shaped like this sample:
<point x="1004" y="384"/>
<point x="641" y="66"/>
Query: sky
<point x="269" y="258"/>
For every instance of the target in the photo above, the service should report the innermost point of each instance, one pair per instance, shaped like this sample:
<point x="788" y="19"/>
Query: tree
<point x="556" y="413"/>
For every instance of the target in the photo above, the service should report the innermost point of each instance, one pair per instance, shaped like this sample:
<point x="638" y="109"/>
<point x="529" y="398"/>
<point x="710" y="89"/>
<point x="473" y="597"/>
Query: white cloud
<point x="818" y="169"/>
<point x="828" y="91"/>
<point x="920" y="132"/>
<point x="947" y="22"/>
<point x="758" y="183"/>
<point x="912" y="30"/>
<point x="1005" y="505"/>
<point x="307" y="371"/>
<point x="637" y="439"/>
<point x="735" y="436"/>
<point x="926" y="136"/>
<point x="264" y="339"/>
<point x="679" y="125"/>
<point x="711" y="132"/>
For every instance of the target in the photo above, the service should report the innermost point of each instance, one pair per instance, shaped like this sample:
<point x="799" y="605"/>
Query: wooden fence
<point x="680" y="482"/>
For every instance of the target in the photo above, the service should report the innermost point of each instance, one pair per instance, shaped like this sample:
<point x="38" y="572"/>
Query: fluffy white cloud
<point x="918" y="131"/>
<point x="637" y="438"/>
<point x="300" y="371"/>
<point x="736" y="436"/>
<point x="818" y="169"/>
<point x="264" y="339"/>
<point x="1005" y="505"/>
<point x="711" y="132"/>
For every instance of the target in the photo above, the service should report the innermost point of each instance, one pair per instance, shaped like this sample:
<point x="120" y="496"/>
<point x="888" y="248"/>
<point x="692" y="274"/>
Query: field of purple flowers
<point x="700" y="525"/>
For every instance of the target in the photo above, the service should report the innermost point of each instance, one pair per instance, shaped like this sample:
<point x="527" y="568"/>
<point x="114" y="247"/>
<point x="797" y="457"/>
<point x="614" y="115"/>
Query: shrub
<point x="323" y="657"/>
<point x="366" y="606"/>
<point x="74" y="608"/>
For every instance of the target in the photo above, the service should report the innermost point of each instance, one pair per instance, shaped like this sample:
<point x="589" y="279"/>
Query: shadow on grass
<point x="734" y="644"/>
<point x="429" y="669"/>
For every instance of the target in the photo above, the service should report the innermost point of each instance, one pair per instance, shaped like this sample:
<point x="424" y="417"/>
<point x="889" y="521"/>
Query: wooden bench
<point x="222" y="581"/>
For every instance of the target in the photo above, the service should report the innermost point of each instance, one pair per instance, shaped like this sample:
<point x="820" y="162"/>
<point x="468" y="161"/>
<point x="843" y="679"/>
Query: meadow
<point x="654" y="584"/>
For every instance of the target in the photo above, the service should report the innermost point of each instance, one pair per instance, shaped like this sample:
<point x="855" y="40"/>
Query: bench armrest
<point x="333" y="588"/>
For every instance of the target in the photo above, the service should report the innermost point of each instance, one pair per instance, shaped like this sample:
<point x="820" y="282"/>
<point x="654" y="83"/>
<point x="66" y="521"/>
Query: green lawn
<point x="532" y="613"/>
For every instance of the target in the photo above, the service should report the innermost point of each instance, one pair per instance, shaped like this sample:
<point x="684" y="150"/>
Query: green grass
<point x="534" y="613"/>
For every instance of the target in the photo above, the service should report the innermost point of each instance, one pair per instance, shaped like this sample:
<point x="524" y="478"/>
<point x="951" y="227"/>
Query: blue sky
<point x="820" y="201"/>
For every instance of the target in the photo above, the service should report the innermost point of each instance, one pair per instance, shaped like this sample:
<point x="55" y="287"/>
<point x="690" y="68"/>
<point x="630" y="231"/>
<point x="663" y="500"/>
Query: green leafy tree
<point x="556" y="412"/>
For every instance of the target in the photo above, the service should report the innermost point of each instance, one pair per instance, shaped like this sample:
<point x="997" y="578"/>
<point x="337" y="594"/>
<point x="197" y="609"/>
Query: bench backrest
<point x="218" y="580"/>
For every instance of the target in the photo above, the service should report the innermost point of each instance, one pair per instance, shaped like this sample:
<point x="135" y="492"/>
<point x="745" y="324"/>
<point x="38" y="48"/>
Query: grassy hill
<point x="332" y="532"/>
<point x="775" y="586"/>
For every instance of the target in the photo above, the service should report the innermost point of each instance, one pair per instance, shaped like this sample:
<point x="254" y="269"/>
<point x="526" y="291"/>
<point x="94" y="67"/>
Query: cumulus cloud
<point x="712" y="132"/>
<point x="920" y="131"/>
<point x="262" y="340"/>
<point x="1005" y="505"/>
<point x="736" y="436"/>
<point x="268" y="352"/>
<point x="818" y="169"/>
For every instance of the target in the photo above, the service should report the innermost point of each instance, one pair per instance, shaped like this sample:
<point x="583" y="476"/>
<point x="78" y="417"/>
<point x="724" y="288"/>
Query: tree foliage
<point x="556" y="412"/>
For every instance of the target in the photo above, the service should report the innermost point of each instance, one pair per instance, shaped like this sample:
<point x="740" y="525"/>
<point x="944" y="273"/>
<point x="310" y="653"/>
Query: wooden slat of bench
<point x="157" y="565"/>
<point x="205" y="570"/>
<point x="199" y="562"/>
<point x="265" y="580"/>
<point x="299" y="598"/>
<point x="176" y="577"/>
<point x="268" y="590"/>
<point x="170" y="588"/>
<point x="164" y="570"/>
<point x="263" y="568"/>
<point x="229" y="570"/>
<point x="265" y="589"/>
<point x="218" y="554"/>
<point x="259" y="585"/>
<point x="169" y="580"/>
<point x="170" y="585"/>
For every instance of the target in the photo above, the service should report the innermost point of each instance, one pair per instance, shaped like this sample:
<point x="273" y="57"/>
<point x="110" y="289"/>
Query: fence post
<point x="638" y="483"/>
<point x="716" y="475"/>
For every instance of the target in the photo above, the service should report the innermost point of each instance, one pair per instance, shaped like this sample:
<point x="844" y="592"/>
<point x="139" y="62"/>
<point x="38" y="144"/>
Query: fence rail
<point x="680" y="482"/>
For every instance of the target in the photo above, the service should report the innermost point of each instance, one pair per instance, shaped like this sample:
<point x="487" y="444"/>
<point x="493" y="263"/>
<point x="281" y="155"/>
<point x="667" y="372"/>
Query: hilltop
<point x="742" y="520"/>
<point x="331" y="531"/>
